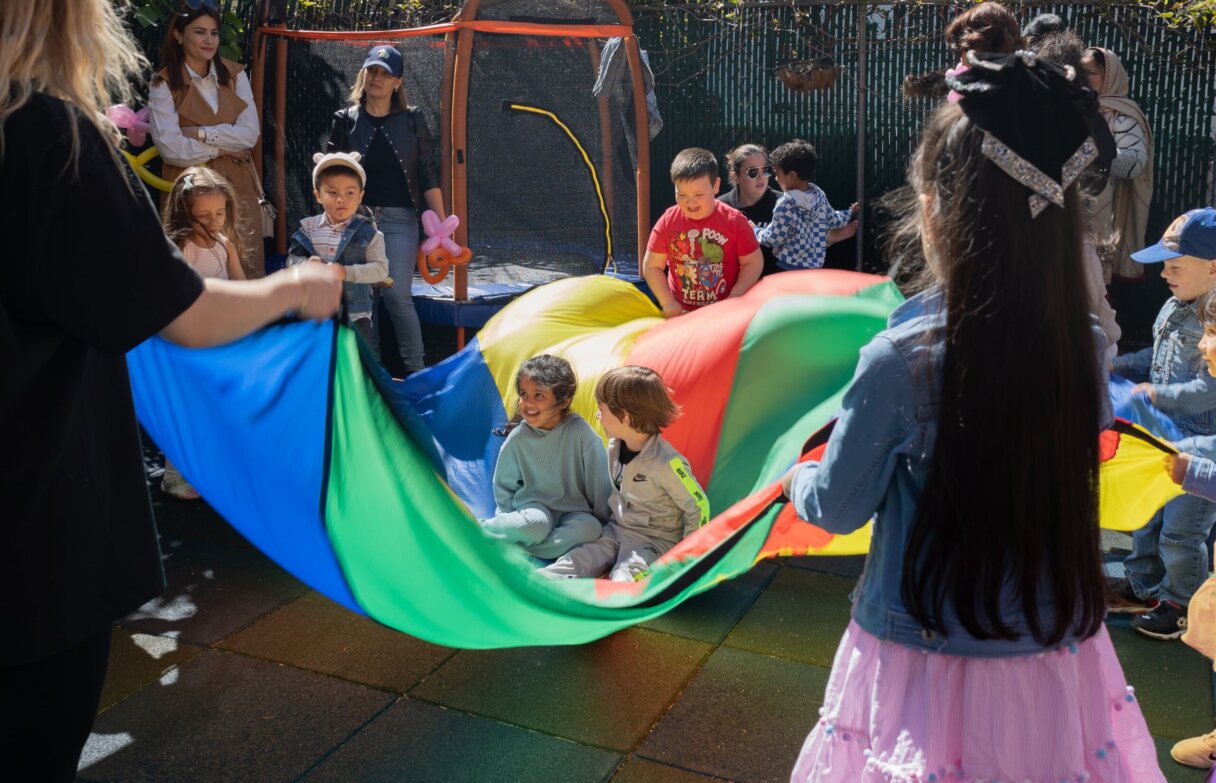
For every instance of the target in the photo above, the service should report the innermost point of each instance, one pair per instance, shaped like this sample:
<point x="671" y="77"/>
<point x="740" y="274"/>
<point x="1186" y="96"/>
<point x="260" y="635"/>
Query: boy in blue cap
<point x="1169" y="559"/>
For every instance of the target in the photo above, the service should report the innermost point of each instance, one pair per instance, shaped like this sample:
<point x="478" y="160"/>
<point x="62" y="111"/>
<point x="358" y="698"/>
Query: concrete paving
<point x="240" y="672"/>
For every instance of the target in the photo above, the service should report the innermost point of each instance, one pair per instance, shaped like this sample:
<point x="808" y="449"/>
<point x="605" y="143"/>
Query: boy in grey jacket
<point x="655" y="499"/>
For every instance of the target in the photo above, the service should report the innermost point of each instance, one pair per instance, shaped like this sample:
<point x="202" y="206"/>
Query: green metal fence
<point x="716" y="86"/>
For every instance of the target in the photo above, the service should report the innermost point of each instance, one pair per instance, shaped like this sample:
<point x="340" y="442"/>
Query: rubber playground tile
<point x="1172" y="682"/>
<point x="744" y="718"/>
<point x="710" y="616"/>
<point x="214" y="590"/>
<point x="137" y="660"/>
<point x="840" y="565"/>
<point x="413" y="740"/>
<point x="801" y="616"/>
<point x="227" y="717"/>
<point x="189" y="521"/>
<point x="639" y="770"/>
<point x="317" y="634"/>
<point x="1175" y="772"/>
<point x="607" y="693"/>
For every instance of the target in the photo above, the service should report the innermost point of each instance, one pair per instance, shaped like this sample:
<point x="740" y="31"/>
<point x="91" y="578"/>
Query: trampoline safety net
<point x="550" y="166"/>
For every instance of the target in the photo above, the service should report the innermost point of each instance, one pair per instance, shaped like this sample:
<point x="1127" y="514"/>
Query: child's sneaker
<point x="1196" y="751"/>
<point x="1121" y="599"/>
<point x="1167" y="621"/>
<point x="178" y="487"/>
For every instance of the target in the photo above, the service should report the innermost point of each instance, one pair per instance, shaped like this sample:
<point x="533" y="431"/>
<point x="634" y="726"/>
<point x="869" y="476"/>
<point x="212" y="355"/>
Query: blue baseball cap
<point x="1191" y="234"/>
<point x="386" y="57"/>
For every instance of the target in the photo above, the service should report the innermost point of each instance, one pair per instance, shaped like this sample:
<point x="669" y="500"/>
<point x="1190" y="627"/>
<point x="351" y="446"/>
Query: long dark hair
<point x="1010" y="505"/>
<point x="173" y="57"/>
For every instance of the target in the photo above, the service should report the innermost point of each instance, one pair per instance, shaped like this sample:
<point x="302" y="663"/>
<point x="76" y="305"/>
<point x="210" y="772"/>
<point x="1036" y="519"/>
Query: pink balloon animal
<point x="440" y="233"/>
<point x="439" y="253"/>
<point x="135" y="123"/>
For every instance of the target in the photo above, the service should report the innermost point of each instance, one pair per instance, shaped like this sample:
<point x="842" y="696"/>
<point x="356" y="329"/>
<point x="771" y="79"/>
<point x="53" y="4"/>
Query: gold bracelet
<point x="296" y="276"/>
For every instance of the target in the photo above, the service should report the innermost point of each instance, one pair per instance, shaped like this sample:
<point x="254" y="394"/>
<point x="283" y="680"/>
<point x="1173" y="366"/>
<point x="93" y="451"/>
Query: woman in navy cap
<point x="402" y="178"/>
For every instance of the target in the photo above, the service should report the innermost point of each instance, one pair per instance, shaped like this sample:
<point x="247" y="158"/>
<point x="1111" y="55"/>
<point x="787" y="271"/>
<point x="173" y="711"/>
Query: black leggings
<point x="49" y="706"/>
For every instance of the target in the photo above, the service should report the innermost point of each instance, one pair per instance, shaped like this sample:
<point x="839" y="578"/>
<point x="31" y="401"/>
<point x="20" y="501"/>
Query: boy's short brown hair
<point x="641" y="393"/>
<point x="692" y="163"/>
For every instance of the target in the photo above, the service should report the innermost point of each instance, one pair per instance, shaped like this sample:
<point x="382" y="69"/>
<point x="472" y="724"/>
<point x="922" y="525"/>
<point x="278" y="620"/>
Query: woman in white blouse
<point x="1120" y="212"/>
<point x="203" y="114"/>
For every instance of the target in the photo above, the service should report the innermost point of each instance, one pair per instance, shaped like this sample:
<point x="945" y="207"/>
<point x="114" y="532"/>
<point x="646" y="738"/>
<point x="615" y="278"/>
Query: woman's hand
<point x="1176" y="465"/>
<point x="320" y="288"/>
<point x="339" y="270"/>
<point x="787" y="481"/>
<point x="1147" y="390"/>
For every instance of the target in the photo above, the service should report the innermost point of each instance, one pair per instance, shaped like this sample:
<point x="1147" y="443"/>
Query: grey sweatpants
<point x="618" y="552"/>
<point x="541" y="532"/>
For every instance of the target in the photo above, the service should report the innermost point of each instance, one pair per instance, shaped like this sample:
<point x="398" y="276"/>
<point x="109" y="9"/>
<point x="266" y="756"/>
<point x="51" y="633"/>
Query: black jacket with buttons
<point x="408" y="135"/>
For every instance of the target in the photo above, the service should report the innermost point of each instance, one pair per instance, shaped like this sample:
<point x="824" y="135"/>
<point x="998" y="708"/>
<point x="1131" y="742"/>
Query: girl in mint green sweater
<point x="551" y="482"/>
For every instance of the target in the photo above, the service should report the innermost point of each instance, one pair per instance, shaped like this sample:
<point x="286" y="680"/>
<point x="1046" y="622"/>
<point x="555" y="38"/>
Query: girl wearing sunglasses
<point x="203" y="114"/>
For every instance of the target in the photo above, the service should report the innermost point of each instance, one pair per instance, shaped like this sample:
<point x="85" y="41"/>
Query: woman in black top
<point x="749" y="173"/>
<point x="78" y="546"/>
<point x="402" y="178"/>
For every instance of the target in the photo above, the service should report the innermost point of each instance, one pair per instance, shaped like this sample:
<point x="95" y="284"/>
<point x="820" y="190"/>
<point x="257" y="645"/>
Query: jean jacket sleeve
<point x="1200" y="479"/>
<point x="1198" y="445"/>
<point x="877" y="416"/>
<point x="375" y="266"/>
<point x="1134" y="366"/>
<point x="1188" y="399"/>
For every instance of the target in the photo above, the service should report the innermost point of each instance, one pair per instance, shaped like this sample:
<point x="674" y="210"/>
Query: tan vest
<point x="237" y="167"/>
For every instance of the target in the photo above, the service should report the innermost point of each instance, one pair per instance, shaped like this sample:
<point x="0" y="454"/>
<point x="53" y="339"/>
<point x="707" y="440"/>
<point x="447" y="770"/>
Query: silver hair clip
<point x="1045" y="189"/>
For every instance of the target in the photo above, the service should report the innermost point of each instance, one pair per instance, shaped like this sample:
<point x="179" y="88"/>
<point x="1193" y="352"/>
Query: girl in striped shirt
<point x="551" y="482"/>
<point x="199" y="217"/>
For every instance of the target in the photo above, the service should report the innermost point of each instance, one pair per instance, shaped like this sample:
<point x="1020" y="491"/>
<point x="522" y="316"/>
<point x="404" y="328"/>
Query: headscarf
<point x="1131" y="198"/>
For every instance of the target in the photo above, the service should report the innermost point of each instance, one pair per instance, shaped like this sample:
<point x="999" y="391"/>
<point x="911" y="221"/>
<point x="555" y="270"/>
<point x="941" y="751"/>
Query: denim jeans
<point x="400" y="229"/>
<point x="1169" y="559"/>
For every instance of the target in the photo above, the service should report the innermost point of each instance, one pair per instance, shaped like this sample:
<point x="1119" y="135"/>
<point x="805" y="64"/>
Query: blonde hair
<point x="356" y="96"/>
<point x="78" y="51"/>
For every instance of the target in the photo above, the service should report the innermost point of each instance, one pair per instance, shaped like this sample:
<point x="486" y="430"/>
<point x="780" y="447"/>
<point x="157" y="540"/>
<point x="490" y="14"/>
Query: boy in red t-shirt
<point x="700" y="251"/>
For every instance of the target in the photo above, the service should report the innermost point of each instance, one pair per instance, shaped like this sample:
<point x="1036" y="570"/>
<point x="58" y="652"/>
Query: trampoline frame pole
<point x="641" y="125"/>
<point x="461" y="65"/>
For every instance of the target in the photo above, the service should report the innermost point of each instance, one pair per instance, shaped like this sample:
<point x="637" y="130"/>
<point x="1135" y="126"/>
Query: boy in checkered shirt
<point x="798" y="233"/>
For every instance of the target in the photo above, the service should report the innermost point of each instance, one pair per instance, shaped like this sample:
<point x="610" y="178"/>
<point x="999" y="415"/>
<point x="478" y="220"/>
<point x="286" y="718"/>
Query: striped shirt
<point x="208" y="261"/>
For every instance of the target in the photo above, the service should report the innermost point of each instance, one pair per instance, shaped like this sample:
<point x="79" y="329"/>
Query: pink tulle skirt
<point x="893" y="714"/>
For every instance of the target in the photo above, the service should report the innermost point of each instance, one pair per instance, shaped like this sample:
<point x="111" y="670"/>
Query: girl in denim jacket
<point x="976" y="650"/>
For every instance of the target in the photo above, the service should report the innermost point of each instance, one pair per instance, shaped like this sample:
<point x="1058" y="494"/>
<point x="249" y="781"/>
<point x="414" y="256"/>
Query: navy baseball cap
<point x="386" y="57"/>
<point x="1191" y="234"/>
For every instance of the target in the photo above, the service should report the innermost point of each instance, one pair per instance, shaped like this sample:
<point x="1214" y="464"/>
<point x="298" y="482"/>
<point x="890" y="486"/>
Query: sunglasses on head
<point x="194" y="5"/>
<point x="756" y="171"/>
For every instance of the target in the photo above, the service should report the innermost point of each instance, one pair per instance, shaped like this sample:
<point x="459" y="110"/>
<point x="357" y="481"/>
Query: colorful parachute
<point x="368" y="489"/>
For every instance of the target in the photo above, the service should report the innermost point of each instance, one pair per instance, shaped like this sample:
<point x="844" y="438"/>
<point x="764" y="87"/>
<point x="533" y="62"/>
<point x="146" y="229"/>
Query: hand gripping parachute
<point x="368" y="489"/>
